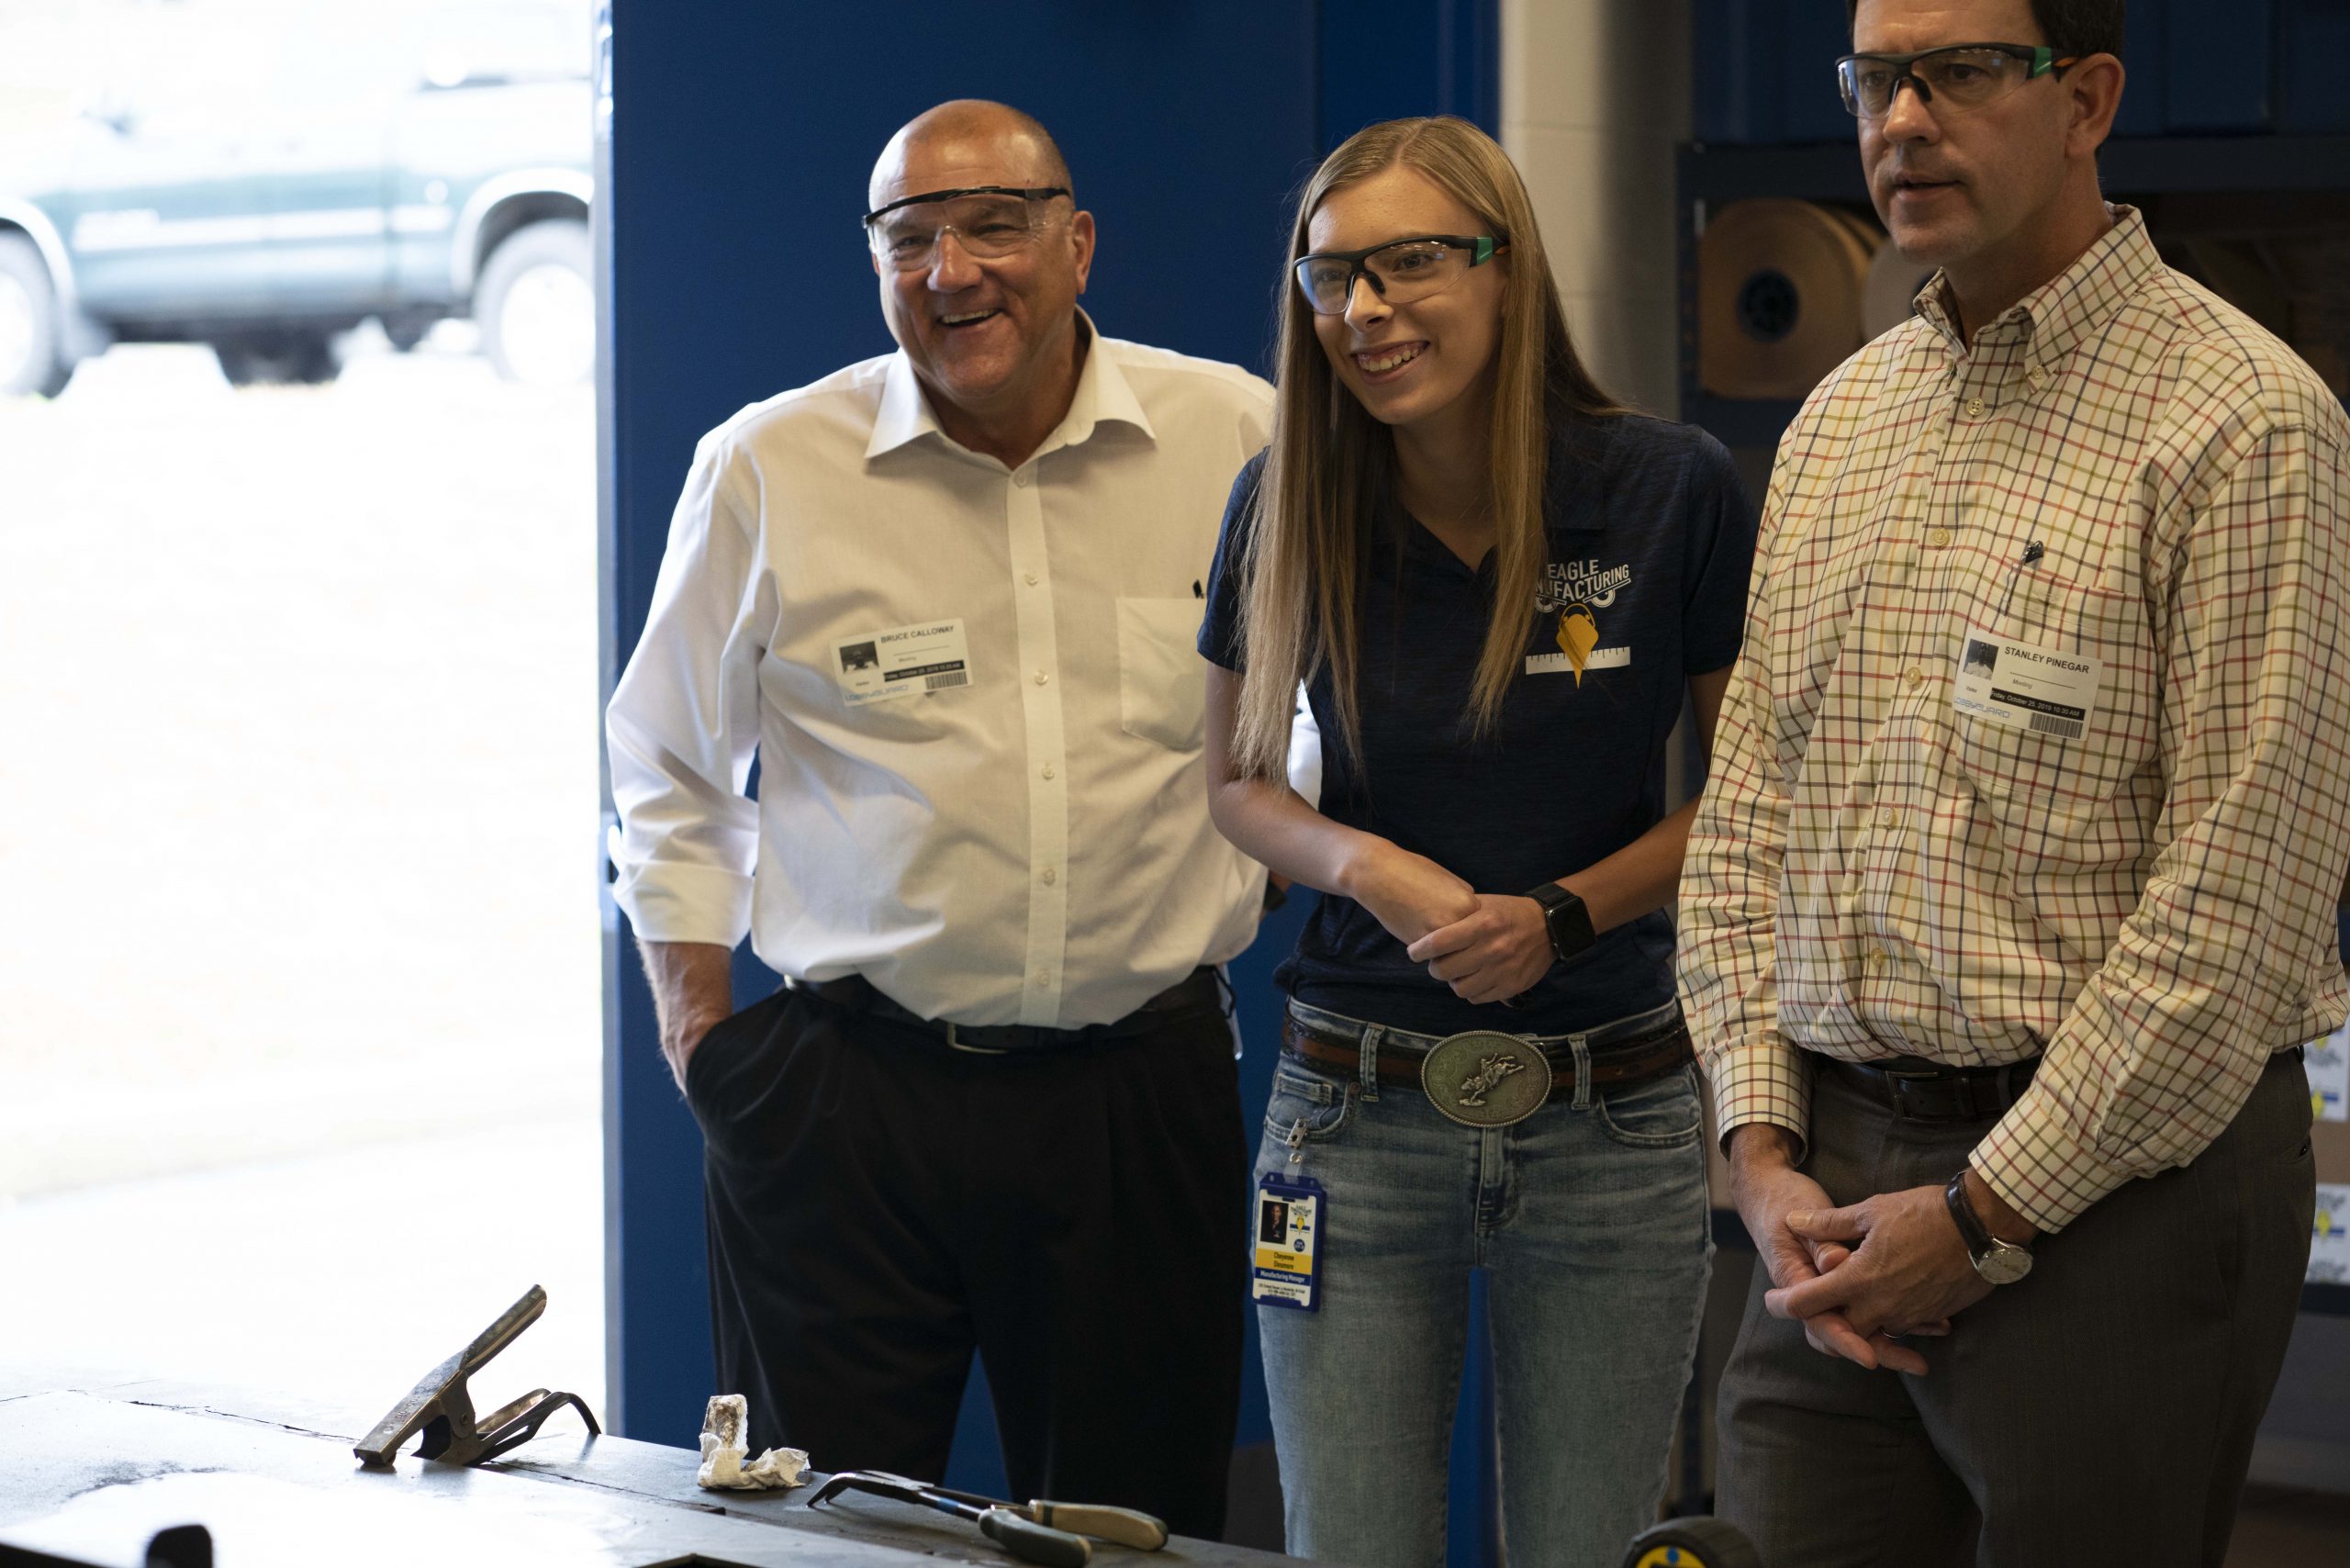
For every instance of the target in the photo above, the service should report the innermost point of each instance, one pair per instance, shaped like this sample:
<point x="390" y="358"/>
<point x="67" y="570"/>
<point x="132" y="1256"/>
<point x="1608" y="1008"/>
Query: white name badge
<point x="2046" y="690"/>
<point x="905" y="661"/>
<point x="1598" y="658"/>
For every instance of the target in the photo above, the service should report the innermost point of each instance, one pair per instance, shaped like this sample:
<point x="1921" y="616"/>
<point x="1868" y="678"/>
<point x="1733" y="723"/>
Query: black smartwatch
<point x="1567" y="922"/>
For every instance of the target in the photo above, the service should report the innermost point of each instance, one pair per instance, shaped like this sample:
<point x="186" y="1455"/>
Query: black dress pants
<point x="881" y="1204"/>
<point x="2100" y="1411"/>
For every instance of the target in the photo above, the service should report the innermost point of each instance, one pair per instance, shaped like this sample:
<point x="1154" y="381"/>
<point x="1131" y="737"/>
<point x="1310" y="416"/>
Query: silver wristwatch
<point x="2000" y="1262"/>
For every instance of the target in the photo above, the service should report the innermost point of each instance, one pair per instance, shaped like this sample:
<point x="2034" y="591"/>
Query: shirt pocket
<point x="1162" y="680"/>
<point x="2071" y="784"/>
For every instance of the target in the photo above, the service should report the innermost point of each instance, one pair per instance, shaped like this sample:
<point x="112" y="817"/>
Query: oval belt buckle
<point x="1486" y="1079"/>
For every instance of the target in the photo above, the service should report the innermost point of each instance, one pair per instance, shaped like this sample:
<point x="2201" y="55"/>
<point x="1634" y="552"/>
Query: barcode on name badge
<point x="2044" y="724"/>
<point x="963" y="677"/>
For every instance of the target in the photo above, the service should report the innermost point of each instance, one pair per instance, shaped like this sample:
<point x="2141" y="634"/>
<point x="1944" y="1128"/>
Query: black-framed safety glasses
<point x="1958" y="76"/>
<point x="987" y="220"/>
<point x="1400" y="270"/>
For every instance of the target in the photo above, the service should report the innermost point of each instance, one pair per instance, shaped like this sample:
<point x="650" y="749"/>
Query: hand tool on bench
<point x="1022" y="1537"/>
<point x="441" y="1407"/>
<point x="1122" y="1526"/>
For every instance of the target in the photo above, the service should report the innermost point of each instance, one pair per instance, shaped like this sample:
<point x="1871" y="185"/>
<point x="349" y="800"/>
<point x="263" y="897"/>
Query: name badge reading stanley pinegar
<point x="2047" y="692"/>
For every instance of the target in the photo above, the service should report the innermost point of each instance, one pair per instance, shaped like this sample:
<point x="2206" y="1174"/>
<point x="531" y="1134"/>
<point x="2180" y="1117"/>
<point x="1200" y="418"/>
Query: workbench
<point x="89" y="1473"/>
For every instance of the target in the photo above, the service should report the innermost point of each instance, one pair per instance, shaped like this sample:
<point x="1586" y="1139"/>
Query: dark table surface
<point x="90" y="1469"/>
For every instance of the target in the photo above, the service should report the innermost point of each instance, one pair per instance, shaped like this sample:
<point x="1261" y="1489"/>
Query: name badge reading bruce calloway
<point x="905" y="661"/>
<point x="2046" y="690"/>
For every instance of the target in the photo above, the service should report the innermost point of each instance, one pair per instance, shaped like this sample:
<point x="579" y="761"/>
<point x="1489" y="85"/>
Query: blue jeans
<point x="1590" y="1219"/>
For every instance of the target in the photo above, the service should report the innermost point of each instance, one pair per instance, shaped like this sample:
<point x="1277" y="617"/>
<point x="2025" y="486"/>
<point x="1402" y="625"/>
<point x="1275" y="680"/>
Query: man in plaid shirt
<point x="2013" y="895"/>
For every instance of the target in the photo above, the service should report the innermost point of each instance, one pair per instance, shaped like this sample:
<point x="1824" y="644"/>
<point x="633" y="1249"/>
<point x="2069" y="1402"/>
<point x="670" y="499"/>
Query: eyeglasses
<point x="988" y="221"/>
<point x="1400" y="271"/>
<point x="1959" y="76"/>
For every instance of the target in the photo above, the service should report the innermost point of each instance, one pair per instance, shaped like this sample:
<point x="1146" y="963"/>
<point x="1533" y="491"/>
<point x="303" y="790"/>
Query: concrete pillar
<point x="1594" y="98"/>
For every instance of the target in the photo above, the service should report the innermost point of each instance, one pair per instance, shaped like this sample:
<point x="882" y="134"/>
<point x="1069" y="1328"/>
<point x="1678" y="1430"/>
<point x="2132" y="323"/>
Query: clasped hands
<point x="1487" y="946"/>
<point x="1859" y="1278"/>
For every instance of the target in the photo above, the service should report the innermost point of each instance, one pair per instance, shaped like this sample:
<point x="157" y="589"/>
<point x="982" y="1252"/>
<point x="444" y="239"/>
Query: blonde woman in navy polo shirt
<point x="1497" y="588"/>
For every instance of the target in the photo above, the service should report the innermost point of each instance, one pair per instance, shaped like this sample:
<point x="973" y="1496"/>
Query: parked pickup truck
<point x="281" y="170"/>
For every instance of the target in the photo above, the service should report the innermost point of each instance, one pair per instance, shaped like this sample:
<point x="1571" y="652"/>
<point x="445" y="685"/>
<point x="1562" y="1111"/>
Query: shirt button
<point x="1021" y="478"/>
<point x="1048" y="770"/>
<point x="1051" y="875"/>
<point x="1887" y="817"/>
<point x="1043" y="978"/>
<point x="1042" y="678"/>
<point x="1915" y="676"/>
<point x="1030" y="579"/>
<point x="1938" y="538"/>
<point x="1975" y="408"/>
<point x="1876" y="957"/>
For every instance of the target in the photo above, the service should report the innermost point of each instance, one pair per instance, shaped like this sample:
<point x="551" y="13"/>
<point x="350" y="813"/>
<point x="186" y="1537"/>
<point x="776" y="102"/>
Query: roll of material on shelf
<point x="1779" y="295"/>
<point x="1894" y="281"/>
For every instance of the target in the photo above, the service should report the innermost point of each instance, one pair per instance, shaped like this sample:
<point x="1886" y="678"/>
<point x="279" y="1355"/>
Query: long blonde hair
<point x="1331" y="462"/>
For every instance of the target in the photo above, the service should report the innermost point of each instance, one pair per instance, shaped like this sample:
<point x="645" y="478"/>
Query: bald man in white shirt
<point x="949" y="597"/>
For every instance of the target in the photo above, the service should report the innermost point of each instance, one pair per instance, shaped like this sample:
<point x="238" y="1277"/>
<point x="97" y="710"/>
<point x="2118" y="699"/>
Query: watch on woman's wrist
<point x="1566" y="919"/>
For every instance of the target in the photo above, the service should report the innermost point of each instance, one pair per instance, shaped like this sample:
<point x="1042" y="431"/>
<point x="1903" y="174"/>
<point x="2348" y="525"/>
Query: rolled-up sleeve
<point x="1730" y="893"/>
<point x="683" y="725"/>
<point x="2211" y="970"/>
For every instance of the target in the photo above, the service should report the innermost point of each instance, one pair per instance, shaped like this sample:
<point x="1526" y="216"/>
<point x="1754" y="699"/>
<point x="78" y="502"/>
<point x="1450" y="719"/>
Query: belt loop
<point x="1583" y="1071"/>
<point x="1367" y="1069"/>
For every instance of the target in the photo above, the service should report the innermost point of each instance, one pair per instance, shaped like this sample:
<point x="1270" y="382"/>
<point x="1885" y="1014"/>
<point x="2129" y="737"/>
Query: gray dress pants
<point x="2100" y="1411"/>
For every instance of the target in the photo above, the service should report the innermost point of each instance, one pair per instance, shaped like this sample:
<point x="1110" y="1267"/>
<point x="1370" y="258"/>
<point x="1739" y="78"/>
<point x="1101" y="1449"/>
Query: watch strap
<point x="1970" y="1224"/>
<point x="1566" y="920"/>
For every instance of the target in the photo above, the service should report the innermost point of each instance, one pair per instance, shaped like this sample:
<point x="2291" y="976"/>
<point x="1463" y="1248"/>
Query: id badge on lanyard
<point x="1287" y="1261"/>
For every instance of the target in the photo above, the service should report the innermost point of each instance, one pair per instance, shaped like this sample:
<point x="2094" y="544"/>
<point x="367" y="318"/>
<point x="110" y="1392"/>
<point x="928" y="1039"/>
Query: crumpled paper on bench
<point x="723" y="1453"/>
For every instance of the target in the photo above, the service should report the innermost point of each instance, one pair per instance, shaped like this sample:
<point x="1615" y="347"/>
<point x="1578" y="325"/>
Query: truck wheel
<point x="536" y="305"/>
<point x="29" y="363"/>
<point x="304" y="358"/>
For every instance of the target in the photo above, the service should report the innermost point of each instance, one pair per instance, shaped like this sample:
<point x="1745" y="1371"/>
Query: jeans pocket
<point x="1657" y="1112"/>
<point x="1323" y="1105"/>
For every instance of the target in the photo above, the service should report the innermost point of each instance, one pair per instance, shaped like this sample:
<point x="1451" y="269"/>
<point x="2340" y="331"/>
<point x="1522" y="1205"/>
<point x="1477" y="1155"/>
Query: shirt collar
<point x="2056" y="317"/>
<point x="1103" y="395"/>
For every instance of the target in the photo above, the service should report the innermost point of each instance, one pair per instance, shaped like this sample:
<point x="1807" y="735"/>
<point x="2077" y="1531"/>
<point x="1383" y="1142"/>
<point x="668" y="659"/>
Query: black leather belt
<point x="854" y="993"/>
<point x="1919" y="1091"/>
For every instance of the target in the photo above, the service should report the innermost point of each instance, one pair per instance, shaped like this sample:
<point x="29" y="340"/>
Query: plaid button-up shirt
<point x="2151" y="902"/>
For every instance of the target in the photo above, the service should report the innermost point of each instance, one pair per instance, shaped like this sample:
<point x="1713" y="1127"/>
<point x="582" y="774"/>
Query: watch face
<point x="2004" y="1264"/>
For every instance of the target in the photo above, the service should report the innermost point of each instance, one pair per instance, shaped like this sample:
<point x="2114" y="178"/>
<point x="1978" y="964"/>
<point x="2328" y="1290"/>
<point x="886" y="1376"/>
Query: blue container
<point x="2314" y="48"/>
<point x="2220" y="61"/>
<point x="1764" y="72"/>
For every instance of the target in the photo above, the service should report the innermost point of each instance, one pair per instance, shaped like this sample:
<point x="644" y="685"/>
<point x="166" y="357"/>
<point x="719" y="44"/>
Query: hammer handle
<point x="1126" y="1527"/>
<point x="1032" y="1543"/>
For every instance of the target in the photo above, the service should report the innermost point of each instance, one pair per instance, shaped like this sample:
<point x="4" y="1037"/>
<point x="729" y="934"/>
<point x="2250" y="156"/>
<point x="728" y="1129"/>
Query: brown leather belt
<point x="1917" y="1090"/>
<point x="1399" y="1065"/>
<point x="854" y="993"/>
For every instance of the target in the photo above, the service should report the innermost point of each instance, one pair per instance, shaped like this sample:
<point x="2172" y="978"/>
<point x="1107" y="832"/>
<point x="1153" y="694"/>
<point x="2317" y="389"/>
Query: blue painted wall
<point x="738" y="139"/>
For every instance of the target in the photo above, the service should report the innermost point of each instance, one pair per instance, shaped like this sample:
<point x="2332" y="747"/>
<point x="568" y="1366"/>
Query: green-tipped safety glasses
<point x="1959" y="75"/>
<point x="1400" y="271"/>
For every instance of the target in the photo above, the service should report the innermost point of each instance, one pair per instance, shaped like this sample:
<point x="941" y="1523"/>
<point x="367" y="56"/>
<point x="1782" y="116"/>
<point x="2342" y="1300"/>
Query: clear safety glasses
<point x="988" y="221"/>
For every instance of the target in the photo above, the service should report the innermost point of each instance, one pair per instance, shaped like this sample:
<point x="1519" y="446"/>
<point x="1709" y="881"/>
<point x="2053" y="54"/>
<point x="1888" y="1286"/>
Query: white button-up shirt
<point x="1031" y="848"/>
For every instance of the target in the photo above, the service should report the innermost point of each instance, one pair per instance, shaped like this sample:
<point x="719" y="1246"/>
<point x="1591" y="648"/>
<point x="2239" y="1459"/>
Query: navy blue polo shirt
<point x="1650" y="541"/>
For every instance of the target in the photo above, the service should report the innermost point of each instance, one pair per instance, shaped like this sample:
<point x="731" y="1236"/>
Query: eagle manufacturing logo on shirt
<point x="1576" y="591"/>
<point x="1582" y="582"/>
